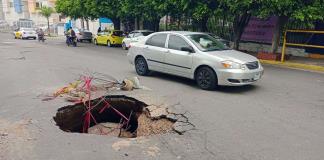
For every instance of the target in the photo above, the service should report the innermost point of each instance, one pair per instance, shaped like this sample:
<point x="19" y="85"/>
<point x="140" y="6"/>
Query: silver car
<point x="196" y="56"/>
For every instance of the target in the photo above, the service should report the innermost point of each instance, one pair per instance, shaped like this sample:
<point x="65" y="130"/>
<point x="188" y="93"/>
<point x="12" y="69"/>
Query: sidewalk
<point x="303" y="63"/>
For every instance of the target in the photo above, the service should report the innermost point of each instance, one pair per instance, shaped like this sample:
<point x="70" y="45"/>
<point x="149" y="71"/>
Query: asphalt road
<point x="279" y="118"/>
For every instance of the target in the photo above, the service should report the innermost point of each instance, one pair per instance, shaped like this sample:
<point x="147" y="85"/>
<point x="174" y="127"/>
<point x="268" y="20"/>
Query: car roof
<point x="181" y="32"/>
<point x="142" y="31"/>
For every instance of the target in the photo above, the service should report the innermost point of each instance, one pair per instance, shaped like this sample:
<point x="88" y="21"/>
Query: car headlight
<point x="232" y="65"/>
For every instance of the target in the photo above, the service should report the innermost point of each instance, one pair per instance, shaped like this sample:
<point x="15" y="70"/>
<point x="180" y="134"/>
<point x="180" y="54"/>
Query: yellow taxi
<point x="109" y="38"/>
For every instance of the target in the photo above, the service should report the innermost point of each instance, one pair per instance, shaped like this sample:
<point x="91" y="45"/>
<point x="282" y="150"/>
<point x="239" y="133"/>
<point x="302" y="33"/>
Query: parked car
<point x="109" y="38"/>
<point x="224" y="41"/>
<point x="25" y="33"/>
<point x="83" y="35"/>
<point x="135" y="36"/>
<point x="194" y="55"/>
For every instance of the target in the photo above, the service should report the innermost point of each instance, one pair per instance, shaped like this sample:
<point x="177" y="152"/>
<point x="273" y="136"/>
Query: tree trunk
<point x="87" y="24"/>
<point x="240" y="22"/>
<point x="166" y="22"/>
<point x="281" y="22"/>
<point x="116" y="22"/>
<point x="82" y="23"/>
<point x="179" y="22"/>
<point x="48" y="26"/>
<point x="136" y="24"/>
<point x="157" y="25"/>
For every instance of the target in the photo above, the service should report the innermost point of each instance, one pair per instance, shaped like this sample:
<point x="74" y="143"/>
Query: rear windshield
<point x="118" y="33"/>
<point x="146" y="33"/>
<point x="28" y="29"/>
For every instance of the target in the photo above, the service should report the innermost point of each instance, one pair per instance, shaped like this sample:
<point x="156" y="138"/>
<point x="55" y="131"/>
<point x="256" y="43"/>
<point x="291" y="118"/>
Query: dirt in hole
<point x="111" y="123"/>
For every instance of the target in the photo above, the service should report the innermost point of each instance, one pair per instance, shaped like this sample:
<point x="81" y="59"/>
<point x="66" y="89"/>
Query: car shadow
<point x="192" y="83"/>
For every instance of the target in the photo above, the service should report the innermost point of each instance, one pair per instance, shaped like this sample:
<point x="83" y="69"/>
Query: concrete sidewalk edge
<point x="295" y="65"/>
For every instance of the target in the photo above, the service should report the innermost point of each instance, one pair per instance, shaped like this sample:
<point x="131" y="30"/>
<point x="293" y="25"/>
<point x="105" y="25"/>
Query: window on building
<point x="38" y="5"/>
<point x="10" y="4"/>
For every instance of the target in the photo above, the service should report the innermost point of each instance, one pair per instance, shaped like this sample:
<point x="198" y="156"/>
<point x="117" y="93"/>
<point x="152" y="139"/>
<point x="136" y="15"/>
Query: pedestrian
<point x="99" y="29"/>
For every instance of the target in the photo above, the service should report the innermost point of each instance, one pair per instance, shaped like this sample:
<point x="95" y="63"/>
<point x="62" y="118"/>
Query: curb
<point x="295" y="65"/>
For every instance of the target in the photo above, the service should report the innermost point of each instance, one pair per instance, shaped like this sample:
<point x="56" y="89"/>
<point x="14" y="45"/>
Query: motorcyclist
<point x="40" y="34"/>
<point x="70" y="35"/>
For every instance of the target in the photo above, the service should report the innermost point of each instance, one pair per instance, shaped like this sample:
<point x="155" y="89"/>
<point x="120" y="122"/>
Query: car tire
<point x="95" y="42"/>
<point x="124" y="46"/>
<point x="141" y="66"/>
<point x="90" y="41"/>
<point x="206" y="78"/>
<point x="109" y="44"/>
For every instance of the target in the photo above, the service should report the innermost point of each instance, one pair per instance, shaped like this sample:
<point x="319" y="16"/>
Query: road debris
<point x="99" y="85"/>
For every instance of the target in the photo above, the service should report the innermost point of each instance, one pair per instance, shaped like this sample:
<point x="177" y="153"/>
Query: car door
<point x="155" y="50"/>
<point x="105" y="37"/>
<point x="178" y="62"/>
<point x="99" y="37"/>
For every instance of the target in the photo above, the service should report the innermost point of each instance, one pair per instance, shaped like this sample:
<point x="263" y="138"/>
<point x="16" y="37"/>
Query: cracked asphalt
<point x="281" y="117"/>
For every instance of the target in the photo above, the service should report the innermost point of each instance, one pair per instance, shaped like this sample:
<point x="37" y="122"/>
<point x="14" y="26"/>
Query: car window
<point x="176" y="43"/>
<point x="206" y="42"/>
<point x="146" y="33"/>
<point x="131" y="35"/>
<point x="137" y="34"/>
<point x="118" y="33"/>
<point x="28" y="29"/>
<point x="157" y="40"/>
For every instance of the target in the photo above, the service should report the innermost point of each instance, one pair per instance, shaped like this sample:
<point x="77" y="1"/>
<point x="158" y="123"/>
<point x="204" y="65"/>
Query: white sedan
<point x="25" y="33"/>
<point x="135" y="36"/>
<point x="196" y="56"/>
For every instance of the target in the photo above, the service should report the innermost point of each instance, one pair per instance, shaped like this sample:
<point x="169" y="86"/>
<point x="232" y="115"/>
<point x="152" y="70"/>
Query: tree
<point x="47" y="12"/>
<point x="298" y="10"/>
<point x="241" y="12"/>
<point x="105" y="8"/>
<point x="74" y="9"/>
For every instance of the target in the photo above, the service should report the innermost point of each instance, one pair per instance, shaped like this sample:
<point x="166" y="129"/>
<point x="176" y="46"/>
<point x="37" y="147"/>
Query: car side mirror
<point x="187" y="49"/>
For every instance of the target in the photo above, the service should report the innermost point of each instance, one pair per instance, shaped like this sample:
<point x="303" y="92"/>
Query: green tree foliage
<point x="298" y="10"/>
<point x="47" y="12"/>
<point x="196" y="12"/>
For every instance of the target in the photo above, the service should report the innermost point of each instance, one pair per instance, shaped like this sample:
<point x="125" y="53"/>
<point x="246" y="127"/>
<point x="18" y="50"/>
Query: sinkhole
<point x="123" y="116"/>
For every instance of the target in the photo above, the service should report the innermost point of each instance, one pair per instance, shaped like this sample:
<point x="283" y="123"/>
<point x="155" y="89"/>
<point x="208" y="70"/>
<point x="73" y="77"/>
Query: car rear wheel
<point x="124" y="46"/>
<point x="206" y="78"/>
<point x="141" y="66"/>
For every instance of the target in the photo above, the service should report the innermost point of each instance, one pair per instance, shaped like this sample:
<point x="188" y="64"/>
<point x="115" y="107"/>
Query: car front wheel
<point x="206" y="78"/>
<point x="141" y="66"/>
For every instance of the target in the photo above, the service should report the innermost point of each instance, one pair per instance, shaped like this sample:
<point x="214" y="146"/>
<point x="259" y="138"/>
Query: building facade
<point x="13" y="10"/>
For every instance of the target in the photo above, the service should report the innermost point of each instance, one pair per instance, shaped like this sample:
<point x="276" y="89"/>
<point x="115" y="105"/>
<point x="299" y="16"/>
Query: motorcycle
<point x="71" y="41"/>
<point x="41" y="38"/>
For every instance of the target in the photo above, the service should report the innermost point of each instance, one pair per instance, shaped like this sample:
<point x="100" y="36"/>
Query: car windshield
<point x="118" y="33"/>
<point x="146" y="33"/>
<point x="206" y="42"/>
